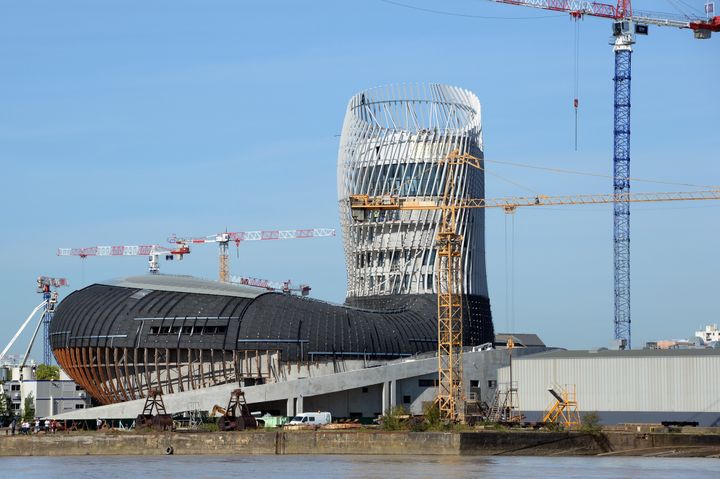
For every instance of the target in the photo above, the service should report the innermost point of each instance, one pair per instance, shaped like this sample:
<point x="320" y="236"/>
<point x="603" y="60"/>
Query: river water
<point x="356" y="467"/>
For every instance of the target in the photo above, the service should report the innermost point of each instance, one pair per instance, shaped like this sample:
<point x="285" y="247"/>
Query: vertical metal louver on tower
<point x="392" y="142"/>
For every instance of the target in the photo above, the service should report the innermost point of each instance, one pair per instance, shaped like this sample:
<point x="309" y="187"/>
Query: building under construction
<point x="120" y="339"/>
<point x="196" y="340"/>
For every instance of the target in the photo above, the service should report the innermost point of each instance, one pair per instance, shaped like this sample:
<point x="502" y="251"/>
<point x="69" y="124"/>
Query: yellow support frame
<point x="451" y="396"/>
<point x="565" y="408"/>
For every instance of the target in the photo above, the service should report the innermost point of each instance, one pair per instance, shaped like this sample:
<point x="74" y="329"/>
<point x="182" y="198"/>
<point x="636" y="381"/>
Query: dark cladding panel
<point x="302" y="328"/>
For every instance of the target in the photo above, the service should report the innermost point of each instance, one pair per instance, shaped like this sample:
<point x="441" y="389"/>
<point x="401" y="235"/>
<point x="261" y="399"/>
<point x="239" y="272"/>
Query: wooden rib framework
<point x="112" y="375"/>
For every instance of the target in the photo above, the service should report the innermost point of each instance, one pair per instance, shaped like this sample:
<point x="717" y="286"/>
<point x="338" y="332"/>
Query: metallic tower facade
<point x="392" y="142"/>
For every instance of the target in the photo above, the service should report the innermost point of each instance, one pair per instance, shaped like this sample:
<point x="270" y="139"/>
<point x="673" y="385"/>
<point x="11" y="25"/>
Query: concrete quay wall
<point x="362" y="442"/>
<point x="230" y="443"/>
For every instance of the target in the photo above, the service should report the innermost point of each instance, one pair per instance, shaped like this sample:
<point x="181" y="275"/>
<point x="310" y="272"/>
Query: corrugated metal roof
<point x="635" y="353"/>
<point x="186" y="284"/>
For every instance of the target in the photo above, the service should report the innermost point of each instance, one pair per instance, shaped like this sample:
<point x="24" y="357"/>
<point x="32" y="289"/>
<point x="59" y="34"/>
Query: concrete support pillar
<point x="291" y="407"/>
<point x="299" y="405"/>
<point x="389" y="395"/>
<point x="393" y="393"/>
<point x="385" y="396"/>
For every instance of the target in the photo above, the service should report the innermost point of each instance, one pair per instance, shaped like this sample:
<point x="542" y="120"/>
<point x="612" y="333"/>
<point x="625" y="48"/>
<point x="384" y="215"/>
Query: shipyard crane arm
<point x="623" y="11"/>
<point x="152" y="251"/>
<point x="223" y="240"/>
<point x="21" y="329"/>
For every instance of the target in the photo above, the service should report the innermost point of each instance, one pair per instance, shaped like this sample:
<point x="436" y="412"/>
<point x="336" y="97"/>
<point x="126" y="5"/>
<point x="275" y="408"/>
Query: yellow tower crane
<point x="448" y="243"/>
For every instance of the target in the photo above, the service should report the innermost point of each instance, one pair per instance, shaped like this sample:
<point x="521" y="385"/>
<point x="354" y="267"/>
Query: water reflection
<point x="357" y="467"/>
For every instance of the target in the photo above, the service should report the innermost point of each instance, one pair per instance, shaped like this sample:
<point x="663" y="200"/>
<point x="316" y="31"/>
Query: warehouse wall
<point x="629" y="382"/>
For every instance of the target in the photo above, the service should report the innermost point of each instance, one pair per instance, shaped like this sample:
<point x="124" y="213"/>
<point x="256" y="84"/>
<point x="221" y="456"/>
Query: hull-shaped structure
<point x="121" y="339"/>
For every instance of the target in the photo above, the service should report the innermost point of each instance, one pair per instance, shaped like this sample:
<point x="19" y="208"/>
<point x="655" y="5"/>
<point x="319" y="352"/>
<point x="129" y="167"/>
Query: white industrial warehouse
<point x="638" y="386"/>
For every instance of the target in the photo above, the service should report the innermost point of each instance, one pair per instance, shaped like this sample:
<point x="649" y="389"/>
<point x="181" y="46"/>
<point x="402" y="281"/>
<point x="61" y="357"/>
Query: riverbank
<point x="482" y="443"/>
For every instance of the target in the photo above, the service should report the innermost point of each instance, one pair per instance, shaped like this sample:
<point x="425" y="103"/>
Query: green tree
<point x="431" y="411"/>
<point x="591" y="423"/>
<point x="45" y="372"/>
<point x="4" y="409"/>
<point x="393" y="418"/>
<point x="29" y="408"/>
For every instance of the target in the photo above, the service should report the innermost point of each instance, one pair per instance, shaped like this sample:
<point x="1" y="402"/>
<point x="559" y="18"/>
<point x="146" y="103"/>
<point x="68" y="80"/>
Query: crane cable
<point x="576" y="72"/>
<point x="507" y="279"/>
<point x="598" y="175"/>
<point x="466" y="15"/>
<point x="510" y="273"/>
<point x="684" y="12"/>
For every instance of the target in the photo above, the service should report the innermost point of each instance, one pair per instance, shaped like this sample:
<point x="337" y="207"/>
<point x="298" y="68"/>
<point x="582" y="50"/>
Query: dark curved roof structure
<point x="120" y="339"/>
<point x="183" y="312"/>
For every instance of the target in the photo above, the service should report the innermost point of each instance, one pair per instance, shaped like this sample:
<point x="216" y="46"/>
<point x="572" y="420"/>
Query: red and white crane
<point x="702" y="27"/>
<point x="46" y="286"/>
<point x="152" y="251"/>
<point x="224" y="239"/>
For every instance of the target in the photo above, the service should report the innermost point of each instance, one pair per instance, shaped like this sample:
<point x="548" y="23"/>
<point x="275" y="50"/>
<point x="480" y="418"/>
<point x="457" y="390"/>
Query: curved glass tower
<point x="393" y="141"/>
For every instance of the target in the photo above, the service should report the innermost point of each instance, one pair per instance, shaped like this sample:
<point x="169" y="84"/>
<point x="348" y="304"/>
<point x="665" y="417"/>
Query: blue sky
<point x="124" y="122"/>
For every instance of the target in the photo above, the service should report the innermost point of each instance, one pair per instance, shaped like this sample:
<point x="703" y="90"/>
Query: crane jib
<point x="621" y="11"/>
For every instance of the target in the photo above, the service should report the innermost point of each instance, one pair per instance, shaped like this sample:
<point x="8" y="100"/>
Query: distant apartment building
<point x="710" y="335"/>
<point x="50" y="397"/>
<point x="709" y="338"/>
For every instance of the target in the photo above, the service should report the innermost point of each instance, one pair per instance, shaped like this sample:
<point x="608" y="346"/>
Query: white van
<point x="311" y="419"/>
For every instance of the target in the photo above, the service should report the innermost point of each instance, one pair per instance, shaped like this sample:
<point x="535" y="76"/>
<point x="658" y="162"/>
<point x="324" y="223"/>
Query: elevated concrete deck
<point x="480" y="365"/>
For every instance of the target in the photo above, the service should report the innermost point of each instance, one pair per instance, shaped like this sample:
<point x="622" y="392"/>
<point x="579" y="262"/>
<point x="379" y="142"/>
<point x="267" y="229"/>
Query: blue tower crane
<point x="626" y="24"/>
<point x="624" y="40"/>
